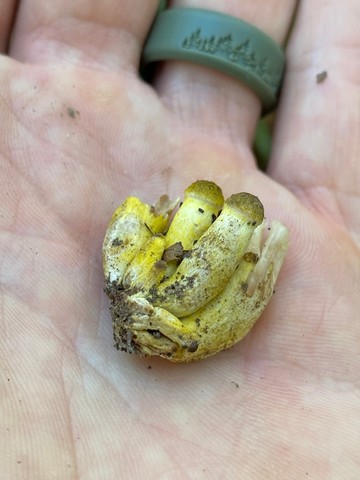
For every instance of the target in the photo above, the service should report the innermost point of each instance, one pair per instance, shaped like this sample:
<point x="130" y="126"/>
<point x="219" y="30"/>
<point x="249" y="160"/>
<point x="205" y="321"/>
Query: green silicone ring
<point x="222" y="42"/>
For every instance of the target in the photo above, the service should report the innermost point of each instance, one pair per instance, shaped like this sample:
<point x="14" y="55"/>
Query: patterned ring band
<point x="219" y="41"/>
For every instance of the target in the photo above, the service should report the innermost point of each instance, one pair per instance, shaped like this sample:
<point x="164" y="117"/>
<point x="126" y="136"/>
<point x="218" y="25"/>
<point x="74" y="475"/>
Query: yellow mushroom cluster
<point x="189" y="284"/>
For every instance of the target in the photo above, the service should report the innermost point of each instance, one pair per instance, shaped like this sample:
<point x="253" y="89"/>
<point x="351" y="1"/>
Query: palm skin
<point x="284" y="403"/>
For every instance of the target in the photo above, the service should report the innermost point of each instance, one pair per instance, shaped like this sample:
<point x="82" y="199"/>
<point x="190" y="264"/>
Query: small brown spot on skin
<point x="320" y="77"/>
<point x="72" y="112"/>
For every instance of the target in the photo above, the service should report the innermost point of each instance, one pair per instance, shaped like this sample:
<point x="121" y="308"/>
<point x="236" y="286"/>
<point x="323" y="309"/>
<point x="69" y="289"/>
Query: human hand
<point x="81" y="132"/>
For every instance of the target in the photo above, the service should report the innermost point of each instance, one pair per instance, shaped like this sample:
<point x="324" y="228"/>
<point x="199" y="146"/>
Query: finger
<point x="316" y="148"/>
<point x="7" y="12"/>
<point x="221" y="107"/>
<point x="105" y="35"/>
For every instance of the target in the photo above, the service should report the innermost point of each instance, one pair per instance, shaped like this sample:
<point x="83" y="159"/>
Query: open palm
<point x="80" y="132"/>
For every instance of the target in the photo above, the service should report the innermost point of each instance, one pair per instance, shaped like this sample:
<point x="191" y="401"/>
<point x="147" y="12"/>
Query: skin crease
<point x="80" y="132"/>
